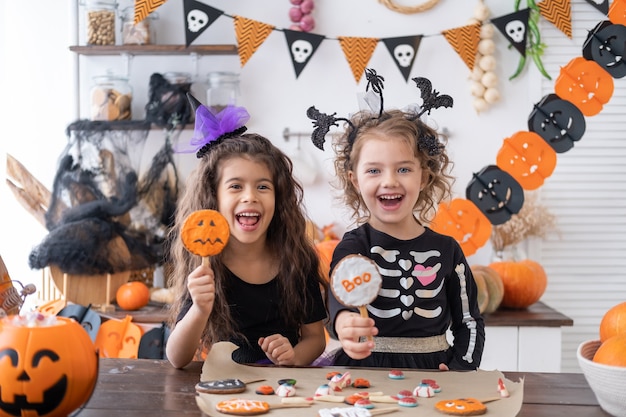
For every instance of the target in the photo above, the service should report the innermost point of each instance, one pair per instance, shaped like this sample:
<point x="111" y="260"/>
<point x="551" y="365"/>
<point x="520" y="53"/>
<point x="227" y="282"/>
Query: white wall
<point x="37" y="75"/>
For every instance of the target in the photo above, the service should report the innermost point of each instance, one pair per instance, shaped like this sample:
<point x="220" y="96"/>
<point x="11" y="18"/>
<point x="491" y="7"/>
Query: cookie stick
<point x="354" y="411"/>
<point x="245" y="407"/>
<point x="355" y="282"/>
<point x="205" y="233"/>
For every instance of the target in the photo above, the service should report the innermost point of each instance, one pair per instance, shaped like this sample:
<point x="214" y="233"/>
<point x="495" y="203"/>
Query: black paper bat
<point x="322" y="123"/>
<point x="431" y="98"/>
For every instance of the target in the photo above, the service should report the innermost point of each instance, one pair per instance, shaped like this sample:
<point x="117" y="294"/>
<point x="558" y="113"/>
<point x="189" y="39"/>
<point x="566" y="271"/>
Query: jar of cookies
<point x="142" y="33"/>
<point x="100" y="21"/>
<point x="111" y="98"/>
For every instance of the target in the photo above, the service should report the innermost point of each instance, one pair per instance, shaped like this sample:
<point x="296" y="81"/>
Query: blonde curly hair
<point x="418" y="135"/>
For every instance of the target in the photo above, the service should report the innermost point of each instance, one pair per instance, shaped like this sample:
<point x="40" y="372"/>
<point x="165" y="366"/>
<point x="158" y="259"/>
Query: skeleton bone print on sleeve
<point x="416" y="282"/>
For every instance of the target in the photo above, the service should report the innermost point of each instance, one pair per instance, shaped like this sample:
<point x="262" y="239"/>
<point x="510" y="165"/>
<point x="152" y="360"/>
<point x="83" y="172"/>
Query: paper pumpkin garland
<point x="462" y="220"/>
<point x="605" y="46"/>
<point x="558" y="122"/>
<point x="585" y="84"/>
<point x="496" y="194"/>
<point x="528" y="158"/>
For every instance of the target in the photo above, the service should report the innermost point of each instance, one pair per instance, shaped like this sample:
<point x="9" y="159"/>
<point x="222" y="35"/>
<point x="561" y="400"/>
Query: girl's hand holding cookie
<point x="201" y="286"/>
<point x="278" y="349"/>
<point x="350" y="328"/>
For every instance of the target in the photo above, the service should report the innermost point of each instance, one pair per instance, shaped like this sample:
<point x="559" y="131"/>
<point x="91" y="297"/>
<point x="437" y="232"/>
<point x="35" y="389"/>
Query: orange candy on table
<point x="612" y="351"/>
<point x="133" y="295"/>
<point x="613" y="322"/>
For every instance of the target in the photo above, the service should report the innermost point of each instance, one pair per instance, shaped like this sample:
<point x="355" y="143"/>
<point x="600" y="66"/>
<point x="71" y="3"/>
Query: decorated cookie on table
<point x="224" y="386"/>
<point x="424" y="390"/>
<point x="461" y="407"/>
<point x="340" y="381"/>
<point x="355" y="282"/>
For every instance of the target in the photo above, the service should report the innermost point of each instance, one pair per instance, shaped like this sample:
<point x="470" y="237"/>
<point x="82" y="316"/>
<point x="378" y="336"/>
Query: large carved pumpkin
<point x="45" y="370"/>
<point x="524" y="282"/>
<point x="490" y="288"/>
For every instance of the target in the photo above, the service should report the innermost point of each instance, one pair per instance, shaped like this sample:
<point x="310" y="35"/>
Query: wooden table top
<point x="146" y="387"/>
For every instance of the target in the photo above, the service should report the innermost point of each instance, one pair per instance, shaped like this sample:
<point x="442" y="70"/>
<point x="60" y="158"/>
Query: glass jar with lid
<point x="111" y="98"/>
<point x="100" y="21"/>
<point x="177" y="101"/>
<point x="142" y="33"/>
<point x="223" y="89"/>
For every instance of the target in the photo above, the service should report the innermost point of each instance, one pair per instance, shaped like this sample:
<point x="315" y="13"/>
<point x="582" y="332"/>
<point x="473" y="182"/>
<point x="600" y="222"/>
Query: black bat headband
<point x="431" y="99"/>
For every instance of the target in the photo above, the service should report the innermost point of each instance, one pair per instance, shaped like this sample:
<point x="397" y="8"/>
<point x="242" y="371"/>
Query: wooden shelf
<point x="155" y="49"/>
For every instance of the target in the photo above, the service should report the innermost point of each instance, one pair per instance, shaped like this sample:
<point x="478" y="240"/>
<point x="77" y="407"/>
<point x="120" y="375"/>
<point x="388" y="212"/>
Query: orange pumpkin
<point x="613" y="322"/>
<point x="132" y="295"/>
<point x="612" y="351"/>
<point x="524" y="282"/>
<point x="325" y="251"/>
<point x="45" y="370"/>
<point x="490" y="288"/>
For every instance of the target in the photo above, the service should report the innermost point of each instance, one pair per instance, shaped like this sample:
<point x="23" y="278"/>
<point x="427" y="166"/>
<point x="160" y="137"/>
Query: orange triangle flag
<point x="358" y="52"/>
<point x="250" y="35"/>
<point x="559" y="13"/>
<point x="464" y="40"/>
<point x="144" y="7"/>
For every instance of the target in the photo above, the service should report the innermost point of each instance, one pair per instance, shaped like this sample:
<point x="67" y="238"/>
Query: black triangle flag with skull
<point x="514" y="27"/>
<point x="302" y="46"/>
<point x="198" y="17"/>
<point x="403" y="51"/>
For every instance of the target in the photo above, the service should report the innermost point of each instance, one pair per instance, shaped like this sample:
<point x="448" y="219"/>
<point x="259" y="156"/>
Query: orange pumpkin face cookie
<point x="205" y="232"/>
<point x="461" y="407"/>
<point x="242" y="407"/>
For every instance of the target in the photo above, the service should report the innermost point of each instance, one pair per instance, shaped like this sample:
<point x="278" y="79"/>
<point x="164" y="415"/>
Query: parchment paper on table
<point x="474" y="384"/>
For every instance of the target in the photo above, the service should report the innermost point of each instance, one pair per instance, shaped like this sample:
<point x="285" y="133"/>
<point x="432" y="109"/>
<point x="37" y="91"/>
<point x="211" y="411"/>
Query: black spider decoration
<point x="322" y="123"/>
<point x="431" y="98"/>
<point x="376" y="82"/>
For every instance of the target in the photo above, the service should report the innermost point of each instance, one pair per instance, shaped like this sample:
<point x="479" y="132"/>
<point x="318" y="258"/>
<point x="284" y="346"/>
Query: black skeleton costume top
<point x="427" y="288"/>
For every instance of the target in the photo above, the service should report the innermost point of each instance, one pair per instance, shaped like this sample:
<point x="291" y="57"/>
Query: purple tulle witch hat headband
<point x="212" y="128"/>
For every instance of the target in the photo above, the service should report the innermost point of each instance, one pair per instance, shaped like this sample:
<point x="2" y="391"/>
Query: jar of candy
<point x="100" y="21"/>
<point x="223" y="89"/>
<point x="111" y="98"/>
<point x="142" y="33"/>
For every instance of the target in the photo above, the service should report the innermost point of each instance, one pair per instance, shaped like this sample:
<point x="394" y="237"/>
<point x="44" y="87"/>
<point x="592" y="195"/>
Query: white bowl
<point x="608" y="383"/>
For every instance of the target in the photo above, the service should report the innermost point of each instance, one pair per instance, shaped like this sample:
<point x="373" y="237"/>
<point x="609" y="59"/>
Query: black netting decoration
<point x="104" y="216"/>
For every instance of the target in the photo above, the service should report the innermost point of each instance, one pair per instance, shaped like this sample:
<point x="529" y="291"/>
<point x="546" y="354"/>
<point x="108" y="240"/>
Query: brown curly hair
<point x="286" y="235"/>
<point x="404" y="126"/>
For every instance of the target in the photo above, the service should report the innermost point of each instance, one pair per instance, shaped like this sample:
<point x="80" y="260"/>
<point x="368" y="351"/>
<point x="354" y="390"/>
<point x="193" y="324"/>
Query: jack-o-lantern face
<point x="118" y="339"/>
<point x="606" y="45"/>
<point x="558" y="122"/>
<point x="463" y="221"/>
<point x="461" y="407"/>
<point x="528" y="158"/>
<point x="46" y="370"/>
<point x="205" y="232"/>
<point x="585" y="84"/>
<point x="496" y="194"/>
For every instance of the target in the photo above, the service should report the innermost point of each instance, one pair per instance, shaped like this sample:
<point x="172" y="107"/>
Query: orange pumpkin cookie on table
<point x="461" y="407"/>
<point x="244" y="407"/>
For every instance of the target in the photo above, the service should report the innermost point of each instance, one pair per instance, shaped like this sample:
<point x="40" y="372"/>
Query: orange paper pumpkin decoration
<point x="205" y="232"/>
<point x="617" y="12"/>
<point x="585" y="84"/>
<point x="463" y="221"/>
<point x="524" y="282"/>
<point x="118" y="339"/>
<point x="48" y="370"/>
<point x="528" y="158"/>
<point x="133" y="295"/>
